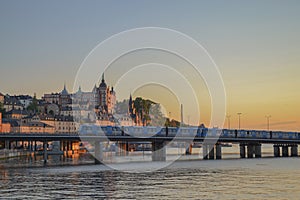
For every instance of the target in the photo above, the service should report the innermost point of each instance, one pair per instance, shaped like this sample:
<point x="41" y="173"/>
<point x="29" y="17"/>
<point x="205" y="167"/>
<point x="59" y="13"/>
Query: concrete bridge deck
<point x="212" y="146"/>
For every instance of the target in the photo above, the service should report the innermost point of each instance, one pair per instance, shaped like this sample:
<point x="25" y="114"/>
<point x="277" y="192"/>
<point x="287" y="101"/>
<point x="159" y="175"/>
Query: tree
<point x="33" y="106"/>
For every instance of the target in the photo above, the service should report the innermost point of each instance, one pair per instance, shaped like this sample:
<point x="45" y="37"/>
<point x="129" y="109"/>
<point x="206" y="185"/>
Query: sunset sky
<point x="255" y="44"/>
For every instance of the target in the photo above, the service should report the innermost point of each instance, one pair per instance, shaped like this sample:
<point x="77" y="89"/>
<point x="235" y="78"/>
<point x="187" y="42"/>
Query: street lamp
<point x="239" y="114"/>
<point x="268" y="121"/>
<point x="228" y="120"/>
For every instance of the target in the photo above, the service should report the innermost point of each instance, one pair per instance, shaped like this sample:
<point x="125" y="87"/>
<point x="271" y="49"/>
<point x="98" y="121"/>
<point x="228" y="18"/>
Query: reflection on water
<point x="268" y="178"/>
<point x="226" y="179"/>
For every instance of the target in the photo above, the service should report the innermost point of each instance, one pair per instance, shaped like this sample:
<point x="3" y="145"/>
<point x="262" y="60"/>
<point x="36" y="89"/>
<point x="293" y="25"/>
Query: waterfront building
<point x="30" y="127"/>
<point x="4" y="127"/>
<point x="61" y="124"/>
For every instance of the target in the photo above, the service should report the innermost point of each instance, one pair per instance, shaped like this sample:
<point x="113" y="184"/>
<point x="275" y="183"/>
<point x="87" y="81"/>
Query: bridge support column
<point x="62" y="145"/>
<point x="56" y="146"/>
<point x="258" y="151"/>
<point x="35" y="146"/>
<point x="158" y="151"/>
<point x="285" y="151"/>
<point x="98" y="152"/>
<point x="211" y="155"/>
<point x="29" y="146"/>
<point x="276" y="150"/>
<point x="7" y="144"/>
<point x="71" y="147"/>
<point x="218" y="151"/>
<point x="250" y="151"/>
<point x="294" y="151"/>
<point x="205" y="151"/>
<point x="123" y="148"/>
<point x="242" y="151"/>
<point x="45" y="146"/>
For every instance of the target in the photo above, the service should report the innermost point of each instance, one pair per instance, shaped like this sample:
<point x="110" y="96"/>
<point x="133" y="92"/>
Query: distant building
<point x="51" y="98"/>
<point x="51" y="109"/>
<point x="62" y="99"/>
<point x="66" y="111"/>
<point x="25" y="100"/>
<point x="124" y="120"/>
<point x="101" y="100"/>
<point x="12" y="103"/>
<point x="105" y="98"/>
<point x="16" y="114"/>
<point x="65" y="98"/>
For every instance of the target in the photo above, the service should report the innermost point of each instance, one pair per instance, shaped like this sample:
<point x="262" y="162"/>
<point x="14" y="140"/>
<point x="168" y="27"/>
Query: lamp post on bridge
<point x="228" y="120"/>
<point x="239" y="114"/>
<point x="268" y="121"/>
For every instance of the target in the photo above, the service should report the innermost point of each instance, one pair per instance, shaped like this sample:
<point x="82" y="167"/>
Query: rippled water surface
<point x="226" y="179"/>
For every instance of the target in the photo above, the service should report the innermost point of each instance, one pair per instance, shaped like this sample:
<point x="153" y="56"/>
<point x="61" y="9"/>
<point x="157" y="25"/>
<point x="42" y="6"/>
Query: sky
<point x="255" y="45"/>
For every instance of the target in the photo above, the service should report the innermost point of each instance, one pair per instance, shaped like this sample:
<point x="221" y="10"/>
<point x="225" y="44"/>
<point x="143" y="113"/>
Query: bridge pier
<point x="7" y="144"/>
<point x="250" y="151"/>
<point x="276" y="150"/>
<point x="218" y="151"/>
<point x="56" y="146"/>
<point x="45" y="146"/>
<point x="123" y="149"/>
<point x="211" y="155"/>
<point x="205" y="151"/>
<point x="285" y="151"/>
<point x="212" y="151"/>
<point x="294" y="151"/>
<point x="98" y="152"/>
<point x="158" y="151"/>
<point x="258" y="151"/>
<point x="62" y="145"/>
<point x="29" y="146"/>
<point x="242" y="150"/>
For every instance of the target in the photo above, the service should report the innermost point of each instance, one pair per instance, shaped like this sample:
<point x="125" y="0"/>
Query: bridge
<point x="211" y="146"/>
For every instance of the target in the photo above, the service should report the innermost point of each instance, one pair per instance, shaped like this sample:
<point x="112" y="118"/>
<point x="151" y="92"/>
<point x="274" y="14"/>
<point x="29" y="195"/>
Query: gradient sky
<point x="255" y="44"/>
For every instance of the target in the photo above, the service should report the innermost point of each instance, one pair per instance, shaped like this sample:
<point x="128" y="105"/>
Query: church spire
<point x="103" y="84"/>
<point x="64" y="91"/>
<point x="103" y="78"/>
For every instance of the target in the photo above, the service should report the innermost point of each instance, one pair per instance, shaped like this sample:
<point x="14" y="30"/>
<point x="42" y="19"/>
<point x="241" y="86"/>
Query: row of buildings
<point x="59" y="112"/>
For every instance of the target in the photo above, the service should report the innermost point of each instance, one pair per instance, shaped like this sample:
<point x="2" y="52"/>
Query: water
<point x="267" y="178"/>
